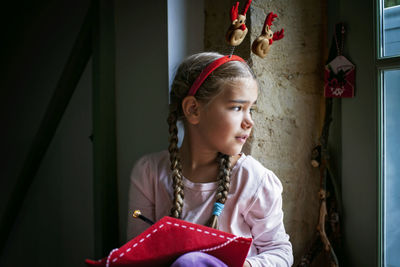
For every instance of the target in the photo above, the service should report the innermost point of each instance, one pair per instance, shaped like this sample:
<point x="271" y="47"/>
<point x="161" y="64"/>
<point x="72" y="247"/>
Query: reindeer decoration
<point x="262" y="44"/>
<point x="237" y="30"/>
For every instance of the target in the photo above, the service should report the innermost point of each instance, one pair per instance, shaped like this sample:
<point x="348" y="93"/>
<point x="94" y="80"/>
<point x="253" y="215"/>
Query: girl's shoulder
<point x="250" y="165"/>
<point x="250" y="169"/>
<point x="155" y="163"/>
<point x="154" y="158"/>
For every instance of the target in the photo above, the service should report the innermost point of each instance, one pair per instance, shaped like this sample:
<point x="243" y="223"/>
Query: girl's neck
<point x="198" y="166"/>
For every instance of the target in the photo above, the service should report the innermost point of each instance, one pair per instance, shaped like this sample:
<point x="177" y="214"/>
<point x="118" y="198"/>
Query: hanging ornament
<point x="237" y="30"/>
<point x="262" y="44"/>
<point x="340" y="72"/>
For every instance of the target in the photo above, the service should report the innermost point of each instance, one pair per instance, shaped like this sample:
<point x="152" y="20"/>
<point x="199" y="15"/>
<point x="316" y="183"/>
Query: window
<point x="391" y="167"/>
<point x="390" y="17"/>
<point x="388" y="63"/>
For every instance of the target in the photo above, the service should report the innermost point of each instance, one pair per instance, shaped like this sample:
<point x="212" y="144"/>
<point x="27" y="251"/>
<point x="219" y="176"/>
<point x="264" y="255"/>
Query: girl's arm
<point x="265" y="218"/>
<point x="140" y="197"/>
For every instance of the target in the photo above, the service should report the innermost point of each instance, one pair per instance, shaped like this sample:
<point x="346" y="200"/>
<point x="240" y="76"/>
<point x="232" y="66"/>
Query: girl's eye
<point x="237" y="108"/>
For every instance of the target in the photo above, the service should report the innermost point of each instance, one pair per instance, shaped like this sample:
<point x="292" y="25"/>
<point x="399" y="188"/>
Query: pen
<point x="138" y="214"/>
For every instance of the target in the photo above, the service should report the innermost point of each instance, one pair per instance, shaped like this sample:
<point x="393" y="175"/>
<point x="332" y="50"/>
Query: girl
<point x="213" y="95"/>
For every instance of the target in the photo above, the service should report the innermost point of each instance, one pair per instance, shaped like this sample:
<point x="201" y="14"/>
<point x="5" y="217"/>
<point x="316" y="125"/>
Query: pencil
<point x="138" y="214"/>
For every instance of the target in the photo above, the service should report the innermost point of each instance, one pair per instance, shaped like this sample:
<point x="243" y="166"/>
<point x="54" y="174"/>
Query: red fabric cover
<point x="169" y="238"/>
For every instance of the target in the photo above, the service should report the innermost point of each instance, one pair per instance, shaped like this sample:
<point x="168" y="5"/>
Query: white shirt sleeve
<point x="265" y="218"/>
<point x="141" y="197"/>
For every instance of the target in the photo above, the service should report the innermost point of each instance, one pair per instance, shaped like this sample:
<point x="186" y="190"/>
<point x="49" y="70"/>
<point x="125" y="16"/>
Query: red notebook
<point x="163" y="242"/>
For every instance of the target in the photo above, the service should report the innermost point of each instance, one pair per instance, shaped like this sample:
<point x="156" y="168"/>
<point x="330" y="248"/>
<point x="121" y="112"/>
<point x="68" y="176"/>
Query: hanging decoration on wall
<point x="262" y="44"/>
<point x="326" y="246"/>
<point x="340" y="72"/>
<point x="327" y="239"/>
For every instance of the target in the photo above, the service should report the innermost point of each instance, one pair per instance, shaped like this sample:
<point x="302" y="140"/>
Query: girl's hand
<point x="246" y="264"/>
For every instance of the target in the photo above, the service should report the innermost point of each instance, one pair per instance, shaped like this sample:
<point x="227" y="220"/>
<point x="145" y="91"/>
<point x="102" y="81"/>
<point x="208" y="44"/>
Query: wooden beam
<point x="104" y="133"/>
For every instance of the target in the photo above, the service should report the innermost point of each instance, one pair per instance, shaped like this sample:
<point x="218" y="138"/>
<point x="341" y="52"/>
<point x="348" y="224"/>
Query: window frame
<point x="382" y="64"/>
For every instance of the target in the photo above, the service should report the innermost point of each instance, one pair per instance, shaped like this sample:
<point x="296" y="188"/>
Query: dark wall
<point x="54" y="226"/>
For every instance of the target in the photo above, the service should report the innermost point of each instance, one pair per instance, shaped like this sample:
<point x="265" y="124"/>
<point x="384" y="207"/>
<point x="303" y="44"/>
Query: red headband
<point x="210" y="68"/>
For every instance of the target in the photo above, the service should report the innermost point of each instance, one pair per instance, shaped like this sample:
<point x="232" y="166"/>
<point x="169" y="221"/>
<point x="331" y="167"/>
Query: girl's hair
<point x="186" y="74"/>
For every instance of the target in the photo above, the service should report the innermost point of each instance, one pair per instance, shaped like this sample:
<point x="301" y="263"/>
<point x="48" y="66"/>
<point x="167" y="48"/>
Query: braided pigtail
<point x="224" y="181"/>
<point x="176" y="166"/>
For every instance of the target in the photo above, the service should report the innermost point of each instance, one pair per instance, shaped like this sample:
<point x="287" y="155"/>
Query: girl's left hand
<point x="246" y="264"/>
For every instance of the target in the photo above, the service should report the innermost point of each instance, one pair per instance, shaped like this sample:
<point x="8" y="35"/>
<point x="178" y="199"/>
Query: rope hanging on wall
<point x="327" y="237"/>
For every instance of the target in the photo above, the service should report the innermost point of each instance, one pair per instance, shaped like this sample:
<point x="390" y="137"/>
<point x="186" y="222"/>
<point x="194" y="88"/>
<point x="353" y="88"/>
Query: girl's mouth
<point x="242" y="138"/>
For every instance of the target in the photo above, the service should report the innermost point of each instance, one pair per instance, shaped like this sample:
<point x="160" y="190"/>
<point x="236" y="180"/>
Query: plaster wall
<point x="288" y="119"/>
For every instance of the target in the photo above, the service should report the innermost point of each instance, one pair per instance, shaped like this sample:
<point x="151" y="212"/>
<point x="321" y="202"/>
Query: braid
<point x="176" y="166"/>
<point x="223" y="185"/>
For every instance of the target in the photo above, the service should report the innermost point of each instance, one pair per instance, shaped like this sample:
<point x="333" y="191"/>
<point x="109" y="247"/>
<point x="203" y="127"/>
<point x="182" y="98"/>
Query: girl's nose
<point x="247" y="122"/>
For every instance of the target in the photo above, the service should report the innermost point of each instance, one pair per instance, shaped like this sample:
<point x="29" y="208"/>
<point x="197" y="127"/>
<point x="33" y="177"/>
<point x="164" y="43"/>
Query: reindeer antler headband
<point x="234" y="36"/>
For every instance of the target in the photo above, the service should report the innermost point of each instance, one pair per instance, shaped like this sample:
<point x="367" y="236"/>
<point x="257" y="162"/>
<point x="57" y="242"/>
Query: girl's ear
<point x="191" y="109"/>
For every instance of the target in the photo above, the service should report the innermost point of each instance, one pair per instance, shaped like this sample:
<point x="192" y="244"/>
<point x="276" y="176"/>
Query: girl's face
<point x="225" y="122"/>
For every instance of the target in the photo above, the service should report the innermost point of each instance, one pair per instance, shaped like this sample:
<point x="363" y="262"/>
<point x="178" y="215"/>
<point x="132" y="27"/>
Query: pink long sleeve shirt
<point x="253" y="207"/>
